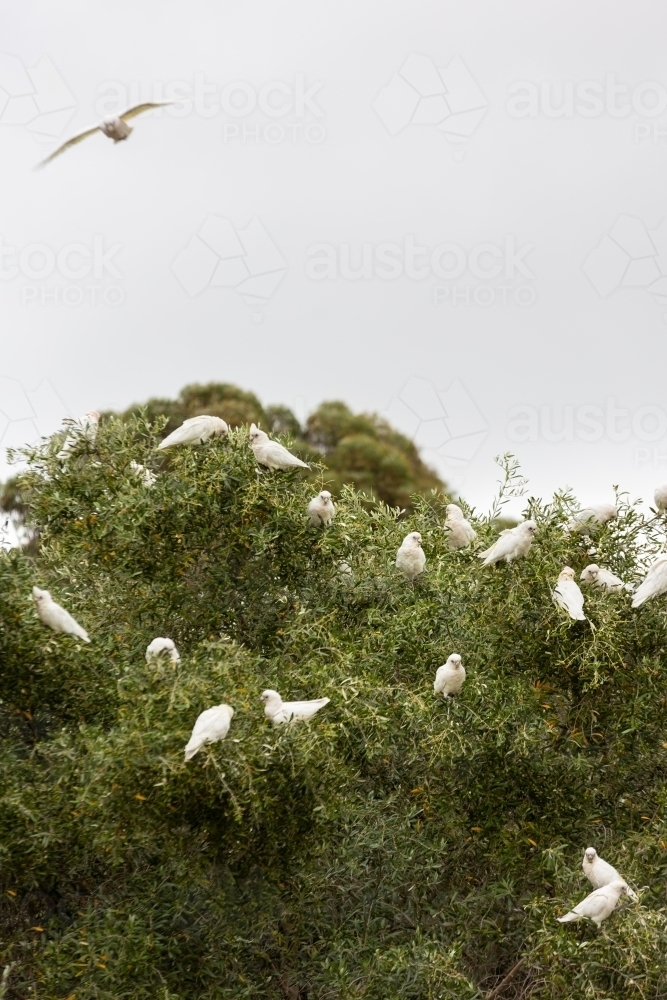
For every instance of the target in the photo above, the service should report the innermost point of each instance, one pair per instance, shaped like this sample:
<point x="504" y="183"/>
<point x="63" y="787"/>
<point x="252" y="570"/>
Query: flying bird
<point x="449" y="677"/>
<point x="568" y="596"/>
<point x="272" y="454"/>
<point x="160" y="647"/>
<point x="321" y="509"/>
<point x="600" y="577"/>
<point x="211" y="727"/>
<point x="55" y="617"/>
<point x="600" y="873"/>
<point x="279" y="711"/>
<point x="78" y="431"/>
<point x="598" y="905"/>
<point x="195" y="430"/>
<point x="410" y="558"/>
<point x="590" y="517"/>
<point x="654" y="583"/>
<point x="115" y="127"/>
<point x="460" y="531"/>
<point x="141" y="472"/>
<point x="511" y="544"/>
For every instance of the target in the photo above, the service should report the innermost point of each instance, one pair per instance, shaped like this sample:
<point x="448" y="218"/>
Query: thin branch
<point x="508" y="978"/>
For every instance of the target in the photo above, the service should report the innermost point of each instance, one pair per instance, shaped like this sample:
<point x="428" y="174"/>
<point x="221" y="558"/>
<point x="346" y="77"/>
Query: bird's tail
<point x="193" y="747"/>
<point x="569" y="917"/>
<point x="84" y="635"/>
<point x="641" y="594"/>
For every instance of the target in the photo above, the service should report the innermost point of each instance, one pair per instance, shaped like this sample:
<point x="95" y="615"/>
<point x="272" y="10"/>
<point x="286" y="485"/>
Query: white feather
<point x="410" y="558"/>
<point x="211" y="727"/>
<point x="195" y="430"/>
<point x="449" y="677"/>
<point x="272" y="454"/>
<point x="654" y="583"/>
<point x="55" y="616"/>
<point x="511" y="544"/>
<point x="280" y="712"/>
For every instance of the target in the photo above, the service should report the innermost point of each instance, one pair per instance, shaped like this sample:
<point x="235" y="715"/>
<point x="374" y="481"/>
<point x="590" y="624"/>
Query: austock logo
<point x="36" y="97"/>
<point x="220" y="256"/>
<point x="446" y="98"/>
<point x="446" y="425"/>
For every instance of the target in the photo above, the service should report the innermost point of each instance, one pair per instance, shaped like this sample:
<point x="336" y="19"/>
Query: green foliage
<point x="397" y="846"/>
<point x="361" y="450"/>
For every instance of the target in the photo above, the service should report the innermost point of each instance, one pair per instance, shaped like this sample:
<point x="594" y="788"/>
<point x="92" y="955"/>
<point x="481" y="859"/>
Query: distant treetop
<point x="357" y="448"/>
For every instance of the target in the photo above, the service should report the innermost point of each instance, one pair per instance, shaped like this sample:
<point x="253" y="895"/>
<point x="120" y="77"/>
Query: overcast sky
<point x="446" y="212"/>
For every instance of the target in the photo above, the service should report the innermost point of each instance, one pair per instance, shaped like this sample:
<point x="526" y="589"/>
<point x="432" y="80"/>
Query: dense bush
<point x="395" y="846"/>
<point x="361" y="449"/>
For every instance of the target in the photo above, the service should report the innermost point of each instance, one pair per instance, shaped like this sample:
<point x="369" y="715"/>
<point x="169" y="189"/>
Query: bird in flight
<point x="115" y="128"/>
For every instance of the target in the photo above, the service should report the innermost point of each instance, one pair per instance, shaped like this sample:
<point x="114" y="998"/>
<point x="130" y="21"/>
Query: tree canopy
<point x="362" y="450"/>
<point x="396" y="846"/>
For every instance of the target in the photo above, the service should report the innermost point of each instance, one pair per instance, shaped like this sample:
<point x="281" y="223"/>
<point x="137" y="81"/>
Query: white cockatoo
<point x="593" y="516"/>
<point x="321" y="509"/>
<point x="460" y="531"/>
<point x="511" y="544"/>
<point x="653" y="584"/>
<point x="114" y="127"/>
<point x="160" y="647"/>
<point x="598" y="905"/>
<point x="272" y="454"/>
<point x="449" y="677"/>
<point x="410" y="558"/>
<point x="141" y="472"/>
<point x="55" y="617"/>
<point x="660" y="497"/>
<point x="211" y="727"/>
<point x="195" y="430"/>
<point x="78" y="431"/>
<point x="599" y="872"/>
<point x="600" y="577"/>
<point x="568" y="596"/>
<point x="279" y="711"/>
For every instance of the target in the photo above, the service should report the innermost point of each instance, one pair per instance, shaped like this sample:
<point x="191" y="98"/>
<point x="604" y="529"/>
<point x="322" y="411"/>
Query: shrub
<point x="394" y="846"/>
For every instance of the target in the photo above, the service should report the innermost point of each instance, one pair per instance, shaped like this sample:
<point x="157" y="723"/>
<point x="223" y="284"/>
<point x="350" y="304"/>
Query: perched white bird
<point x="660" y="497"/>
<point x="568" y="596"/>
<point x="598" y="905"/>
<point x="599" y="872"/>
<point x="600" y="577"/>
<point x="211" y="727"/>
<point x="272" y="454"/>
<point x="55" y="617"/>
<point x="279" y="711"/>
<point x="511" y="544"/>
<point x="115" y="127"/>
<point x="321" y="509"/>
<point x="590" y="517"/>
<point x="449" y="677"/>
<point x="162" y="647"/>
<point x="84" y="429"/>
<point x="195" y="430"/>
<point x="654" y="583"/>
<point x="141" y="472"/>
<point x="460" y="531"/>
<point x="410" y="558"/>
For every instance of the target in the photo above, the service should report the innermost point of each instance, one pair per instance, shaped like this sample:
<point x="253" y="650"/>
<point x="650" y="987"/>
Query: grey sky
<point x="530" y="197"/>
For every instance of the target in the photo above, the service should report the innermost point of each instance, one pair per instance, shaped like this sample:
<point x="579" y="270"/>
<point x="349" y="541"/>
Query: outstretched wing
<point x="139" y="109"/>
<point x="66" y="145"/>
